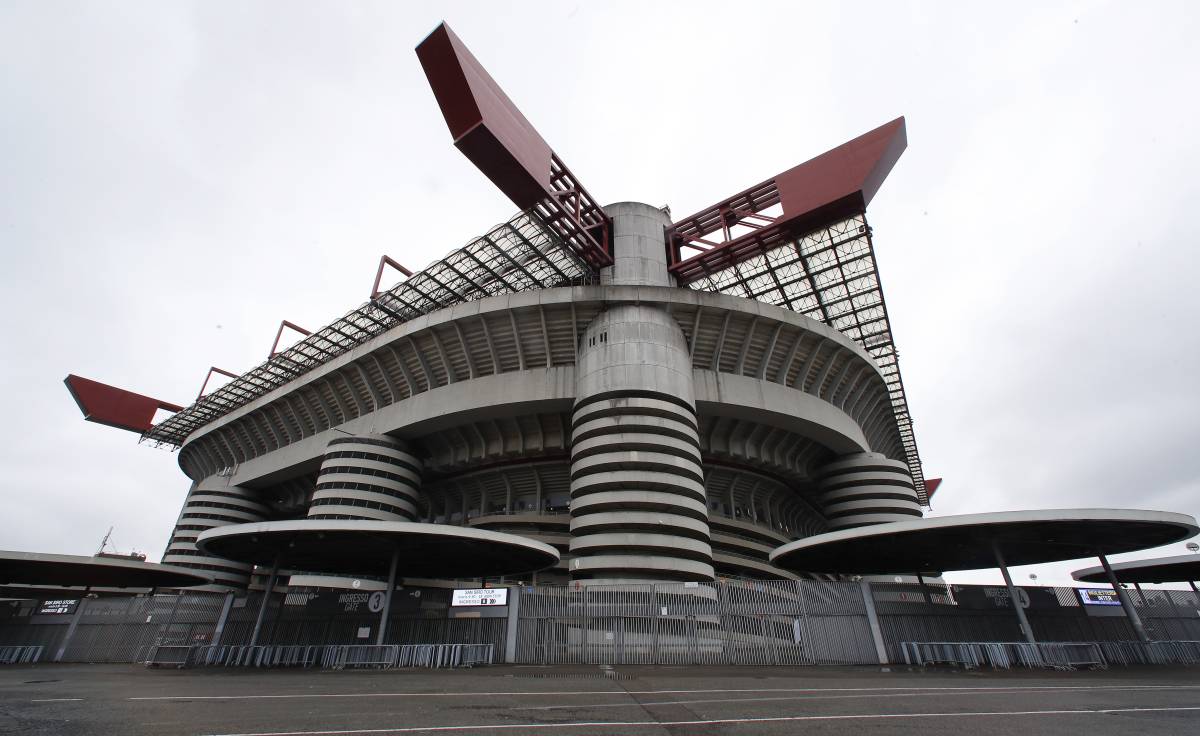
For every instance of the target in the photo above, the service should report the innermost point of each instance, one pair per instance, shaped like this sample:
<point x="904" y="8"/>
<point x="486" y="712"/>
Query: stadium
<point x="593" y="434"/>
<point x="658" y="399"/>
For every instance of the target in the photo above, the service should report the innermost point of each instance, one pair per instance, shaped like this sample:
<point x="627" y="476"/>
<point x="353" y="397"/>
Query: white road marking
<point x="558" y="693"/>
<point x="980" y="691"/>
<point x="711" y="722"/>
<point x="54" y="700"/>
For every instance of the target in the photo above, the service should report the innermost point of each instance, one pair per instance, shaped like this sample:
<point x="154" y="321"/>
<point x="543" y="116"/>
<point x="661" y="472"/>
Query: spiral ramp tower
<point x="211" y="503"/>
<point x="867" y="488"/>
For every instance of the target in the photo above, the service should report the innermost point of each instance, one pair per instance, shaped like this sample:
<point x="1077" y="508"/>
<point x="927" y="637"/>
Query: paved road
<point x="73" y="700"/>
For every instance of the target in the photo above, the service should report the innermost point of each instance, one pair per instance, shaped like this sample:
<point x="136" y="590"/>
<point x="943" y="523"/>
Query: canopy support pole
<point x="387" y="597"/>
<point x="1026" y="629"/>
<point x="1127" y="604"/>
<point x="262" y="609"/>
<point x="1191" y="583"/>
<point x="924" y="589"/>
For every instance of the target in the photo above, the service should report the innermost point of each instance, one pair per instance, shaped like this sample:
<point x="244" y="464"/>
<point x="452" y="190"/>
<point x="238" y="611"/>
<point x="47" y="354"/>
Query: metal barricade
<point x="169" y="655"/>
<point x="20" y="654"/>
<point x="1072" y="655"/>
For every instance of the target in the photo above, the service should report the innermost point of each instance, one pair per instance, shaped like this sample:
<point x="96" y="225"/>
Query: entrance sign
<point x="480" y="597"/>
<point x="1098" y="597"/>
<point x="59" y="606"/>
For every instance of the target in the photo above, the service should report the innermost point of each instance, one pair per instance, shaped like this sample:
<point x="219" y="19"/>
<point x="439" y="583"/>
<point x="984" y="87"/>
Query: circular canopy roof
<point x="26" y="592"/>
<point x="365" y="548"/>
<point x="1158" y="570"/>
<point x="34" y="568"/>
<point x="965" y="542"/>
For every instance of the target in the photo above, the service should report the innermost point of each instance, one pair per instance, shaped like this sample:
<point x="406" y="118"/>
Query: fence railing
<point x="338" y="657"/>
<point x="20" y="654"/>
<point x="1068" y="655"/>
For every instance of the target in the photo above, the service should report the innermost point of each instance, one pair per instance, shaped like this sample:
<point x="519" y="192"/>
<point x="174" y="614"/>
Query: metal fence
<point x="729" y="622"/>
<point x="726" y="622"/>
<point x="20" y="655"/>
<point x="935" y="613"/>
<point x="338" y="656"/>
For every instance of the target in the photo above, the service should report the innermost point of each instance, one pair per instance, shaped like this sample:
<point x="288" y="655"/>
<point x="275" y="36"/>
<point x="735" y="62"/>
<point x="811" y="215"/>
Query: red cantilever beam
<point x="212" y="370"/>
<point x="490" y="131"/>
<point x="931" y="486"/>
<point x="386" y="260"/>
<point x="275" y="345"/>
<point x="836" y="184"/>
<point x="115" y="407"/>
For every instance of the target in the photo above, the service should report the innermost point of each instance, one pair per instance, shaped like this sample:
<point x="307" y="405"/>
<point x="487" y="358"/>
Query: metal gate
<point x="728" y="622"/>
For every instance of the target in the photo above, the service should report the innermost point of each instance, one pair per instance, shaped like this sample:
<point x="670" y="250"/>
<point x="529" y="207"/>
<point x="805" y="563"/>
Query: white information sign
<point x="480" y="597"/>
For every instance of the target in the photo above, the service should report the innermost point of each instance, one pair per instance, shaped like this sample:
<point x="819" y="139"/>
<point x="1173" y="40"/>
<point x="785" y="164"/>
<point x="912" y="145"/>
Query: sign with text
<point x="480" y="597"/>
<point x="1098" y="597"/>
<point x="984" y="597"/>
<point x="58" y="606"/>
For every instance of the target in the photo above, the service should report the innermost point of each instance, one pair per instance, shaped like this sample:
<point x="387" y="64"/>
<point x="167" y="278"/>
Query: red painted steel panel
<point x="852" y="172"/>
<point x="114" y="406"/>
<point x="931" y="486"/>
<point x="832" y="186"/>
<point x="487" y="127"/>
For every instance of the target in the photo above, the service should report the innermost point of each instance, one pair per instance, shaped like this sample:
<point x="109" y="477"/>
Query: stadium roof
<point x="965" y="542"/>
<point x="35" y="568"/>
<point x="829" y="275"/>
<point x="1177" y="569"/>
<point x="519" y="255"/>
<point x="365" y="547"/>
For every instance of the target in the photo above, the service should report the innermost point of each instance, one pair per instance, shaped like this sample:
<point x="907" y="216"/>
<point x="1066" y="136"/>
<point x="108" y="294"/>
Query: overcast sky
<point x="175" y="178"/>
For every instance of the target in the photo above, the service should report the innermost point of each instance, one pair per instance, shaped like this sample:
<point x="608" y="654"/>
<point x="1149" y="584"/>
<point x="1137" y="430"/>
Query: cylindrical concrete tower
<point x="371" y="477"/>
<point x="210" y="503"/>
<point x="867" y="488"/>
<point x="638" y="504"/>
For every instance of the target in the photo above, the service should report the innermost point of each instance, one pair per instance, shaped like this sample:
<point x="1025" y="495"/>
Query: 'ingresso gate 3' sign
<point x="480" y="597"/>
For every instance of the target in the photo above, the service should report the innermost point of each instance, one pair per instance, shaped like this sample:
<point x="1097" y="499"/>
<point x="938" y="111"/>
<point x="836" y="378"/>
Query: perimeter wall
<point x="727" y="622"/>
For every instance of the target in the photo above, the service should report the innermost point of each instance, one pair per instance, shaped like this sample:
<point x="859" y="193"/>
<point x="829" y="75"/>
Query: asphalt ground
<point x="127" y="699"/>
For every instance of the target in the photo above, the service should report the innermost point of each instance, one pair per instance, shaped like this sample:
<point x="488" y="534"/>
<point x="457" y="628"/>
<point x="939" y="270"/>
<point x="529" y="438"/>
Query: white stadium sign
<point x="480" y="597"/>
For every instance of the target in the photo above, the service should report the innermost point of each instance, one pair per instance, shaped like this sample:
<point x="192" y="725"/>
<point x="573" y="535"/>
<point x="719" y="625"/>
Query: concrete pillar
<point x="1026" y="629"/>
<point x="638" y="505"/>
<point x="873" y="621"/>
<point x="510" y="634"/>
<point x="866" y="488"/>
<point x="387" y="598"/>
<point x="219" y="630"/>
<point x="1123" y="596"/>
<point x="266" y="601"/>
<point x="62" y="648"/>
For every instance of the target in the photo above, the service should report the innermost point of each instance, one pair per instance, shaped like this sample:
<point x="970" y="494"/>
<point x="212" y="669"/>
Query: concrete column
<point x="220" y="627"/>
<point x="1127" y="604"/>
<point x="262" y="608"/>
<point x="866" y="488"/>
<point x="387" y="597"/>
<point x="638" y="505"/>
<point x="1026" y="629"/>
<point x="510" y="633"/>
<point x="62" y="648"/>
<point x="873" y="621"/>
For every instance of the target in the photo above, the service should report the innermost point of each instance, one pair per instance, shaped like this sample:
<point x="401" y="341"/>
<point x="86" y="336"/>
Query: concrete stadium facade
<point x="646" y="430"/>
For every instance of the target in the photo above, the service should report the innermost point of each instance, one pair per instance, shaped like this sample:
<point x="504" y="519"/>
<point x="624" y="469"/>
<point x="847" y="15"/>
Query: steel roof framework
<point x="829" y="274"/>
<point x="519" y="255"/>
